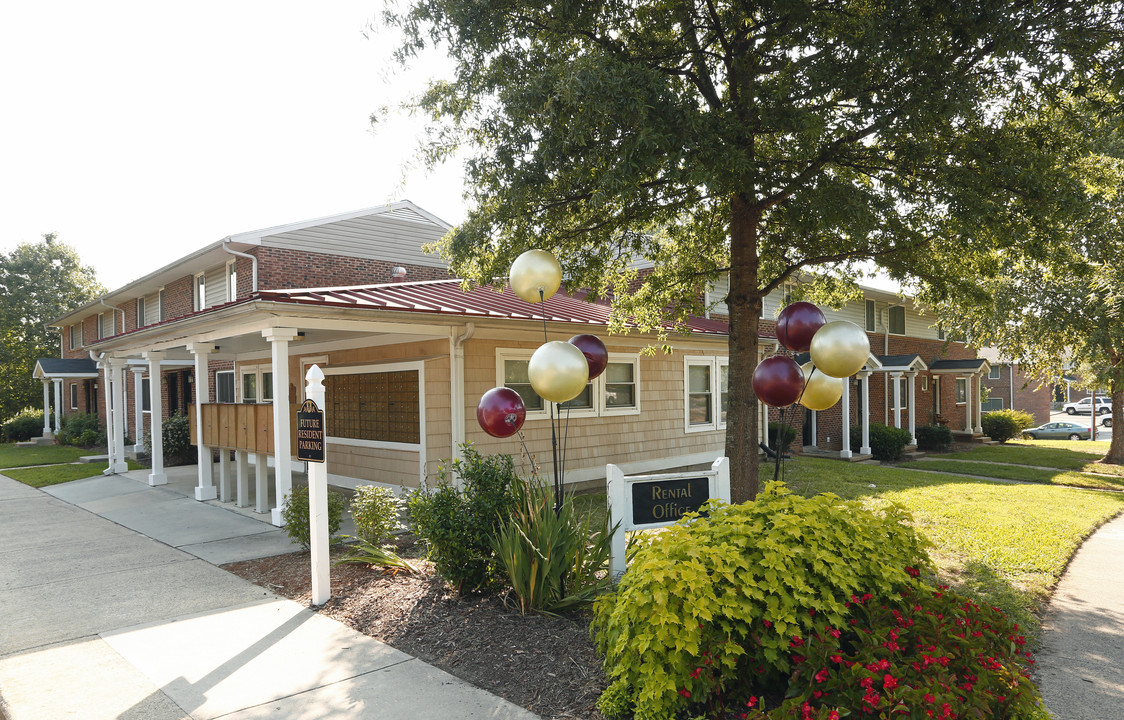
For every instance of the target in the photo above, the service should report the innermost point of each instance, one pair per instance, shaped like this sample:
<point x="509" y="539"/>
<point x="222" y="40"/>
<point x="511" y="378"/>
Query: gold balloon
<point x="558" y="371"/>
<point x="820" y="391"/>
<point x="840" y="349"/>
<point x="535" y="271"/>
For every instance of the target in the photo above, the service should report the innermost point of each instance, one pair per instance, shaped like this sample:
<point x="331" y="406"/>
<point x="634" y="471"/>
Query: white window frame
<point x="889" y="323"/>
<point x="231" y="281"/>
<point x="73" y="394"/>
<point x="903" y="393"/>
<point x="995" y="372"/>
<point x="870" y="317"/>
<point x="598" y="408"/>
<point x="259" y="372"/>
<point x="715" y="363"/>
<point x="418" y="365"/>
<point x="924" y="383"/>
<point x="199" y="291"/>
<point x="72" y="333"/>
<point x="234" y="387"/>
<point x="140" y="311"/>
<point x="961" y="383"/>
<point x="306" y="363"/>
<point x="146" y="384"/>
<point x="160" y="299"/>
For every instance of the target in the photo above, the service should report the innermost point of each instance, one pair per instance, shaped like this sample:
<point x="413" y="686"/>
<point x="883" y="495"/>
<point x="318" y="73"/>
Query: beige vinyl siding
<point x="656" y="433"/>
<point x="397" y="237"/>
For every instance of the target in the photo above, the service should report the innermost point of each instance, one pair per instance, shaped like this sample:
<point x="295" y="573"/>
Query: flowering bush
<point x="711" y="607"/>
<point x="925" y="653"/>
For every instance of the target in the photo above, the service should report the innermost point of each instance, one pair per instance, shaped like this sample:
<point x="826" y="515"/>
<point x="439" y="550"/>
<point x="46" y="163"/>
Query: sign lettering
<point x="310" y="432"/>
<point x="664" y="501"/>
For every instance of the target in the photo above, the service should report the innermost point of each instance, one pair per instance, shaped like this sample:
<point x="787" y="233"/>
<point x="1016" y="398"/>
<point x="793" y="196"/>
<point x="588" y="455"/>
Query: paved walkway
<point x="112" y="609"/>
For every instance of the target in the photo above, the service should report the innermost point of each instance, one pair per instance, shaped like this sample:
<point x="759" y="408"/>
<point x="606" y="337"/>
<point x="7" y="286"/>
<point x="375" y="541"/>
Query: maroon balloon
<point x="595" y="353"/>
<point x="501" y="412"/>
<point x="797" y="324"/>
<point x="778" y="381"/>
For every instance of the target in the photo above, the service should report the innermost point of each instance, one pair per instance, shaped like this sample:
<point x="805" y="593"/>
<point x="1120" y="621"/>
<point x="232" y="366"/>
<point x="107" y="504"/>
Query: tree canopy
<point x="750" y="139"/>
<point x="38" y="283"/>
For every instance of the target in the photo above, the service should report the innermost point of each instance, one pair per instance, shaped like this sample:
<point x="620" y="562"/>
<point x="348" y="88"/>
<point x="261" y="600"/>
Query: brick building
<point x="1008" y="387"/>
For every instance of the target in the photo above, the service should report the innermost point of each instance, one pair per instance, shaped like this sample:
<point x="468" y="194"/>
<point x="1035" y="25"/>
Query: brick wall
<point x="1030" y="395"/>
<point x="280" y="269"/>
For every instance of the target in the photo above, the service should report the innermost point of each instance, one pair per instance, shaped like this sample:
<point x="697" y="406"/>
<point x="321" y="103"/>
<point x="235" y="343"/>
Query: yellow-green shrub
<point x="745" y="581"/>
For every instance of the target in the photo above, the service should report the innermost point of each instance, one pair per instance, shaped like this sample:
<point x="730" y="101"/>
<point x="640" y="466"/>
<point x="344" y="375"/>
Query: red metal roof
<point x="446" y="297"/>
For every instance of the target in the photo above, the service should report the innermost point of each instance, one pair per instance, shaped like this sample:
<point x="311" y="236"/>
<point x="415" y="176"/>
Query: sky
<point x="141" y="131"/>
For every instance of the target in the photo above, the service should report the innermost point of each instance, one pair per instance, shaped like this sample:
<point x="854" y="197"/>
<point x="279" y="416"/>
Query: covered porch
<point x="964" y="414"/>
<point x="54" y="373"/>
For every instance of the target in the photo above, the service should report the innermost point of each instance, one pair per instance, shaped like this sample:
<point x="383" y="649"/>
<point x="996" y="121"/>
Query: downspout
<point x="253" y="262"/>
<point x="456" y="386"/>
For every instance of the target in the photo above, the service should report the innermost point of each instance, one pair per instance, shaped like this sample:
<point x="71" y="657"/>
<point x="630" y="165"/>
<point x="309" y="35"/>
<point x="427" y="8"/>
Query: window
<point x="903" y="393"/>
<point x="257" y="384"/>
<point x="614" y="392"/>
<point x="924" y="383"/>
<point x="961" y="390"/>
<point x="940" y="332"/>
<point x="73" y="392"/>
<point x="249" y="387"/>
<point x="140" y="312"/>
<point x="72" y="334"/>
<point x="267" y="387"/>
<point x="105" y="325"/>
<point x="706" y="383"/>
<point x="870" y="322"/>
<point x="231" y="281"/>
<point x="375" y="406"/>
<point x="200" y="300"/>
<point x="992" y="404"/>
<point x="995" y="373"/>
<point x="146" y="395"/>
<point x="224" y="386"/>
<point x="897" y="320"/>
<point x="160" y="299"/>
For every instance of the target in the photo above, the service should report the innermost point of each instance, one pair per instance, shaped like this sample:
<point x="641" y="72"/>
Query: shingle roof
<point x="968" y="364"/>
<point x="446" y="297"/>
<point x="67" y="367"/>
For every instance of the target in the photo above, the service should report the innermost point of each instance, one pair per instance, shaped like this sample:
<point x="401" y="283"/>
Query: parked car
<point x="1058" y="431"/>
<point x="1106" y="421"/>
<point x="1104" y="406"/>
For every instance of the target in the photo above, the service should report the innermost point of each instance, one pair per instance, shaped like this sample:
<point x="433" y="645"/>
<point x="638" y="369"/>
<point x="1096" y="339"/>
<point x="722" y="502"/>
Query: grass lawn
<point x="1016" y="472"/>
<point x="1006" y="543"/>
<point x="12" y="456"/>
<point x="1060" y="454"/>
<point x="55" y="474"/>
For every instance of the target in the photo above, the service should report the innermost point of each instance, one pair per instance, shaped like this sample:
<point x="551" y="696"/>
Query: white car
<point x="1104" y="406"/>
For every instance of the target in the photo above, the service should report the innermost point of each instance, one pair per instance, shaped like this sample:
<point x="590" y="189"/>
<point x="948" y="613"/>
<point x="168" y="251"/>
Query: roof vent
<point x="398" y="274"/>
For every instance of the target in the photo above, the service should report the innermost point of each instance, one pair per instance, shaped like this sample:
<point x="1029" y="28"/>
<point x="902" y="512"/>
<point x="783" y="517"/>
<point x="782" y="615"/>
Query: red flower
<point x="796" y="642"/>
<point x="751" y="701"/>
<point x="696" y="672"/>
<point x="833" y="715"/>
<point x="837" y="659"/>
<point x="889" y="682"/>
<point x="685" y="693"/>
<point x="913" y="571"/>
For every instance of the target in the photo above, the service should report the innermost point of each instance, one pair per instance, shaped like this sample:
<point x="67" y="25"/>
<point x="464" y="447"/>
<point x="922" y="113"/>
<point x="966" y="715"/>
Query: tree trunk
<point x="1115" y="454"/>
<point x="744" y="303"/>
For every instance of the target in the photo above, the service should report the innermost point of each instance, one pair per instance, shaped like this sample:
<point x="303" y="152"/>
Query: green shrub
<point x="457" y="525"/>
<point x="176" y="435"/>
<point x="744" y="583"/>
<point x="554" y="560"/>
<point x="934" y="437"/>
<point x="297" y="522"/>
<point x="24" y="425"/>
<point x="81" y="430"/>
<point x="1002" y="425"/>
<point x="787" y="435"/>
<point x="892" y="657"/>
<point x="375" y="511"/>
<point x="886" y="442"/>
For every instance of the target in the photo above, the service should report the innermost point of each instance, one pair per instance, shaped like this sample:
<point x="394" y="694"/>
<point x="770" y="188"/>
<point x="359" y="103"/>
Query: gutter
<point x="456" y="385"/>
<point x="102" y="301"/>
<point x="253" y="260"/>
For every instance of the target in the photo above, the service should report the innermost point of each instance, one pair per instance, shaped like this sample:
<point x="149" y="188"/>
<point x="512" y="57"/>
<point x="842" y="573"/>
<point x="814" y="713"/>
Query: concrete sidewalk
<point x="1080" y="666"/>
<point x="101" y="620"/>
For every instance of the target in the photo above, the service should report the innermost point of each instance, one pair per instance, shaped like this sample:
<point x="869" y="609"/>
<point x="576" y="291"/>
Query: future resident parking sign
<point x="310" y="432"/>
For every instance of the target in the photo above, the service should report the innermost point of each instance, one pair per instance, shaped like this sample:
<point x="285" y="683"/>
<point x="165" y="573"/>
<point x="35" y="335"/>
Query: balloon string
<point x="565" y="443"/>
<point x="542" y="312"/>
<point x="527" y="454"/>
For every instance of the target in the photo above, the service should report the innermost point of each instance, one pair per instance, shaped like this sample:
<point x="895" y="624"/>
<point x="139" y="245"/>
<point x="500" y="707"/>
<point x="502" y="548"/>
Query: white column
<point x="107" y="386"/>
<point x="47" y="409"/>
<point x="864" y="378"/>
<point x="242" y="473"/>
<point x="912" y="375"/>
<point x="206" y="488"/>
<point x="318" y="501"/>
<point x="120" y="414"/>
<point x="261" y="483"/>
<point x="979" y="404"/>
<point x="226" y="475"/>
<point x="138" y="408"/>
<point x="845" y="408"/>
<point x="815" y="436"/>
<point x="896" y="379"/>
<point x="279" y="339"/>
<point x="58" y="405"/>
<point x="968" y="404"/>
<point x="156" y="418"/>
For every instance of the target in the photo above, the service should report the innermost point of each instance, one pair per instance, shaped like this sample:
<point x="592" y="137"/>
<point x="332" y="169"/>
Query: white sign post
<point x="643" y="502"/>
<point x="317" y="489"/>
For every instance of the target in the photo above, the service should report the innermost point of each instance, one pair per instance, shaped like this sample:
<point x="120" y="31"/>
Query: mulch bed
<point x="545" y="664"/>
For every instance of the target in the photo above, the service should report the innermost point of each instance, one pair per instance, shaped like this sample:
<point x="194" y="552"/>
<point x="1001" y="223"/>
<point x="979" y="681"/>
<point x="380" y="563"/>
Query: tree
<point x="38" y="283"/>
<point x="1056" y="301"/>
<point x="754" y="139"/>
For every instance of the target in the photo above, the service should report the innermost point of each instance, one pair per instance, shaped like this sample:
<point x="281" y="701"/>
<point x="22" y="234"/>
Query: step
<point x="94" y="459"/>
